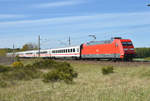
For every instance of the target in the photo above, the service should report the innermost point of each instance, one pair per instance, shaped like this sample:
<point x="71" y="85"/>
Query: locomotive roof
<point x="100" y="42"/>
<point x="106" y="41"/>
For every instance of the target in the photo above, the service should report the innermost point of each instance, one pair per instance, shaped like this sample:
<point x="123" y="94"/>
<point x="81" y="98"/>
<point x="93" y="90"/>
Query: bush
<point x="63" y="72"/>
<point x="45" y="64"/>
<point x="24" y="73"/>
<point x="107" y="70"/>
<point x="20" y="72"/>
<point x="17" y="65"/>
<point x="4" y="68"/>
<point x="17" y="58"/>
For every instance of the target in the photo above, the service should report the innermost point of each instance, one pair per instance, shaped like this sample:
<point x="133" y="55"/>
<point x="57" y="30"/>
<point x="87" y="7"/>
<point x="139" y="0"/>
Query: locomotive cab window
<point x="127" y="43"/>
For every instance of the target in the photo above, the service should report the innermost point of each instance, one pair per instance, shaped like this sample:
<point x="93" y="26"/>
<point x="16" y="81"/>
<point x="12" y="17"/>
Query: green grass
<point x="129" y="82"/>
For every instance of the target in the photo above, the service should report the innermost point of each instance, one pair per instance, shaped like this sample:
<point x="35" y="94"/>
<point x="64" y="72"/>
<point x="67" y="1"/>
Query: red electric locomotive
<point x="116" y="48"/>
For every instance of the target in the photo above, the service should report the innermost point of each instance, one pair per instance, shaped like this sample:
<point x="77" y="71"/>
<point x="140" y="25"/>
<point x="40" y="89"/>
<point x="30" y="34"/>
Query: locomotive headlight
<point x="131" y="48"/>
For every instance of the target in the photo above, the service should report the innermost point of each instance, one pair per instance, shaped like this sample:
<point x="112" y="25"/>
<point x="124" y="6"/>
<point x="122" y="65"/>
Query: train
<point x="114" y="49"/>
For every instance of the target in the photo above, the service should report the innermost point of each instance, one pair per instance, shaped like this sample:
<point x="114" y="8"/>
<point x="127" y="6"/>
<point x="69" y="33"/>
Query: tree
<point x="29" y="46"/>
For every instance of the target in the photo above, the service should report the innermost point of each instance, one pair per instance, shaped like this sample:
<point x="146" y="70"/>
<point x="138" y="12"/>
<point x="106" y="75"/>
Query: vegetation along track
<point x="104" y="62"/>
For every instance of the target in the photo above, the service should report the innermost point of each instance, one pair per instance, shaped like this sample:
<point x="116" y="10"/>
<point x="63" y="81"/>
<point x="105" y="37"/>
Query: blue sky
<point x="21" y="21"/>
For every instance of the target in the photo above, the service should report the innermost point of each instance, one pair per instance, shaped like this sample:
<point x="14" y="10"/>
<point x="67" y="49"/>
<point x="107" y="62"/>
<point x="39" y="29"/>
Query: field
<point x="129" y="82"/>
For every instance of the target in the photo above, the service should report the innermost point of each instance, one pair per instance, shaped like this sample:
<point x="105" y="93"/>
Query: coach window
<point x="77" y="49"/>
<point x="74" y="50"/>
<point x="28" y="53"/>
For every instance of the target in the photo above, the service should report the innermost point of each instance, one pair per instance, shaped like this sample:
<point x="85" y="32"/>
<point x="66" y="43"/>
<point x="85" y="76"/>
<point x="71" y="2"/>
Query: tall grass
<point x="125" y="84"/>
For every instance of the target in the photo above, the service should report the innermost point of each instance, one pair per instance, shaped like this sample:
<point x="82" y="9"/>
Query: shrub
<point x="63" y="72"/>
<point x="24" y="73"/>
<point x="17" y="64"/>
<point x="17" y="58"/>
<point x="4" y="68"/>
<point x="45" y="64"/>
<point x="51" y="76"/>
<point x="20" y="72"/>
<point x="107" y="70"/>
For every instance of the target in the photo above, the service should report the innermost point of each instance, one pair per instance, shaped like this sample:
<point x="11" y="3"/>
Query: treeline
<point x="143" y="52"/>
<point x="25" y="47"/>
<point x="4" y="51"/>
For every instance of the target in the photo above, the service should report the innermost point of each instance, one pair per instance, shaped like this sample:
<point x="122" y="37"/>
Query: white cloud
<point x="7" y="16"/>
<point x="89" y="21"/>
<point x="137" y="24"/>
<point x="58" y="4"/>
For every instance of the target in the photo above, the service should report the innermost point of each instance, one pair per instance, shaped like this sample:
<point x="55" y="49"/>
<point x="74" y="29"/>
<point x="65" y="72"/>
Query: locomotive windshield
<point x="127" y="43"/>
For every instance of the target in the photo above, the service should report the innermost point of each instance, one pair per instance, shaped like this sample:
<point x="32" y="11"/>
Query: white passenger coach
<point x="67" y="52"/>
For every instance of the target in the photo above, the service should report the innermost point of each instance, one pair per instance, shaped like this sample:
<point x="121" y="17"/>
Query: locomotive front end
<point x="129" y="51"/>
